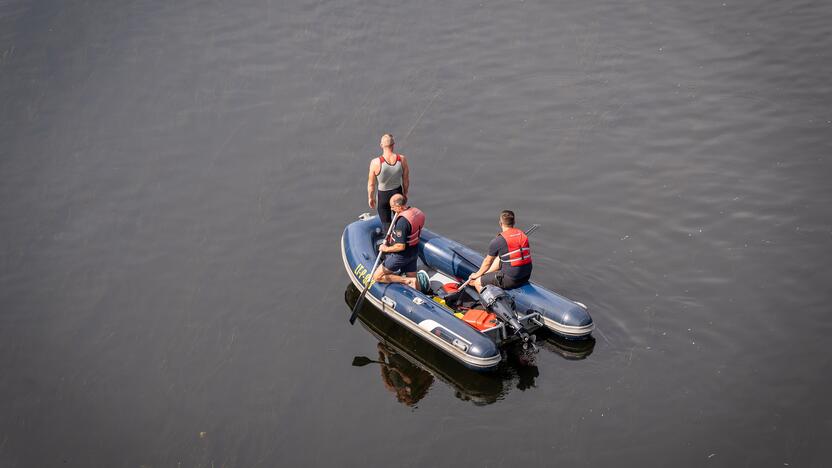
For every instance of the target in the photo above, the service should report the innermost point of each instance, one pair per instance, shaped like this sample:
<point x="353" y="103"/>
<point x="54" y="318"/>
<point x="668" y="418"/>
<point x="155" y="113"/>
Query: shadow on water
<point x="409" y="365"/>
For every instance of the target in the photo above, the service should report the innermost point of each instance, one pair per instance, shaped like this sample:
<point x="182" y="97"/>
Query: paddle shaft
<point x="372" y="272"/>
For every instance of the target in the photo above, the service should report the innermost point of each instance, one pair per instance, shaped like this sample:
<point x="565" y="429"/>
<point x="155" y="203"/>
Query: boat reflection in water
<point x="572" y="350"/>
<point x="409" y="365"/>
<point x="406" y="380"/>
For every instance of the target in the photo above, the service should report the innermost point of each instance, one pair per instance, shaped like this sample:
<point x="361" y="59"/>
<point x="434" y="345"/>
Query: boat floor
<point x="437" y="280"/>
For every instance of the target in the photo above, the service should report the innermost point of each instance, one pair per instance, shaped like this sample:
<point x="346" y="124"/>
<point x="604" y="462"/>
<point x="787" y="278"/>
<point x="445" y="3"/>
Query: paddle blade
<point x="360" y="361"/>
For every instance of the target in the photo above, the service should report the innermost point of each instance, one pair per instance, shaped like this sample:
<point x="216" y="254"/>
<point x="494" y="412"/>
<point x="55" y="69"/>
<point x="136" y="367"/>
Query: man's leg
<point x="410" y="269"/>
<point x="390" y="277"/>
<point x="485" y="280"/>
<point x="383" y="207"/>
<point x="383" y="275"/>
<point x="410" y="274"/>
<point x="509" y="283"/>
<point x="488" y="277"/>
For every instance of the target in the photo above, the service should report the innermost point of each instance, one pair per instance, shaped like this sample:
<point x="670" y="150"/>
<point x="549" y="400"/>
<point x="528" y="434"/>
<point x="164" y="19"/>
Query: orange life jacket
<point x="518" y="248"/>
<point x="417" y="220"/>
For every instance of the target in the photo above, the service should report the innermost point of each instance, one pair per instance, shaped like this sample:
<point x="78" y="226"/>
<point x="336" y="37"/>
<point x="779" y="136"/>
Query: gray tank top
<point x="390" y="177"/>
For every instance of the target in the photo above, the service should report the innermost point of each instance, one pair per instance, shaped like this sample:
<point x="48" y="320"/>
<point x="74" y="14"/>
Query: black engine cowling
<point x="500" y="303"/>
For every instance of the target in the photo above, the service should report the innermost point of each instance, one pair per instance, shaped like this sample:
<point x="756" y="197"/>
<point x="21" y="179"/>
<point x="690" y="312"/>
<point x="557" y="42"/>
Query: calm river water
<point x="176" y="177"/>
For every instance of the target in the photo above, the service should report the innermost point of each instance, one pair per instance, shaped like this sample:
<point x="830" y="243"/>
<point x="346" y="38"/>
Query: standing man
<point x="509" y="260"/>
<point x="403" y="246"/>
<point x="393" y="175"/>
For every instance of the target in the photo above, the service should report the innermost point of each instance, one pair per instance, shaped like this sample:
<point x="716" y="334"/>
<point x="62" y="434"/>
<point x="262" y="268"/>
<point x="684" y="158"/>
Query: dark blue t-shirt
<point x="498" y="247"/>
<point x="401" y="231"/>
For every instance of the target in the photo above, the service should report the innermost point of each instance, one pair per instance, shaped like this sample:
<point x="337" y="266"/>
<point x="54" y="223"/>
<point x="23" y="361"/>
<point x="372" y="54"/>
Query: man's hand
<point x="372" y="202"/>
<point x="473" y="276"/>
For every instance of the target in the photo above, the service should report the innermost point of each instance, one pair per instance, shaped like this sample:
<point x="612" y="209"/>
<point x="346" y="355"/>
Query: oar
<point x="360" y="361"/>
<point x="370" y="281"/>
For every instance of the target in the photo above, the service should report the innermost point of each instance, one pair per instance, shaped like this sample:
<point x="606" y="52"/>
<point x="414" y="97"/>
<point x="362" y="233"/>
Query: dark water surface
<point x="176" y="177"/>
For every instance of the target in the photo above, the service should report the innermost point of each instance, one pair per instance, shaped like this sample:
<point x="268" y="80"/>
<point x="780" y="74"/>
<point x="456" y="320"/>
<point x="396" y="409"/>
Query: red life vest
<point x="518" y="248"/>
<point x="417" y="220"/>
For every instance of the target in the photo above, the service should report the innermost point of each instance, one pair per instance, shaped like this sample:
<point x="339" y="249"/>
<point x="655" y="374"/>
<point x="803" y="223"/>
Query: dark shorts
<point x="400" y="264"/>
<point x="497" y="278"/>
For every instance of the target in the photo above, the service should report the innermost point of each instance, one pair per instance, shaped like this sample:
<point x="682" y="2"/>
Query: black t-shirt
<point x="401" y="231"/>
<point x="498" y="247"/>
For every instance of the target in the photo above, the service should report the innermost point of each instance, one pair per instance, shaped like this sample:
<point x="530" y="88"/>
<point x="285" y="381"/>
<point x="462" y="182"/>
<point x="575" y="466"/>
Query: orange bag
<point x="480" y="319"/>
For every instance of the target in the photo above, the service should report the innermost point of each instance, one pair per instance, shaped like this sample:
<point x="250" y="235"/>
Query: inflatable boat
<point x="472" y="328"/>
<point x="411" y="356"/>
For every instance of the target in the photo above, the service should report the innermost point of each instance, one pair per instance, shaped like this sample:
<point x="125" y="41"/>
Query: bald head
<point x="387" y="141"/>
<point x="398" y="200"/>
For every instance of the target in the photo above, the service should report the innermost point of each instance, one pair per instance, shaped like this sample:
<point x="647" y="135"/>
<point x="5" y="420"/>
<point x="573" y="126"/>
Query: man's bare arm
<point x="392" y="248"/>
<point x="405" y="176"/>
<point x="371" y="185"/>
<point x="495" y="265"/>
<point x="487" y="263"/>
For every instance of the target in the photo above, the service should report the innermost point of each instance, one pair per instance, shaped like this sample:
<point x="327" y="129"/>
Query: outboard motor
<point x="497" y="301"/>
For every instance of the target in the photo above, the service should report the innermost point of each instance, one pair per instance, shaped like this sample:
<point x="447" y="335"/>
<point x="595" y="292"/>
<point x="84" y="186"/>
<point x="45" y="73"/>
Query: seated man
<point x="509" y="260"/>
<point x="403" y="245"/>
